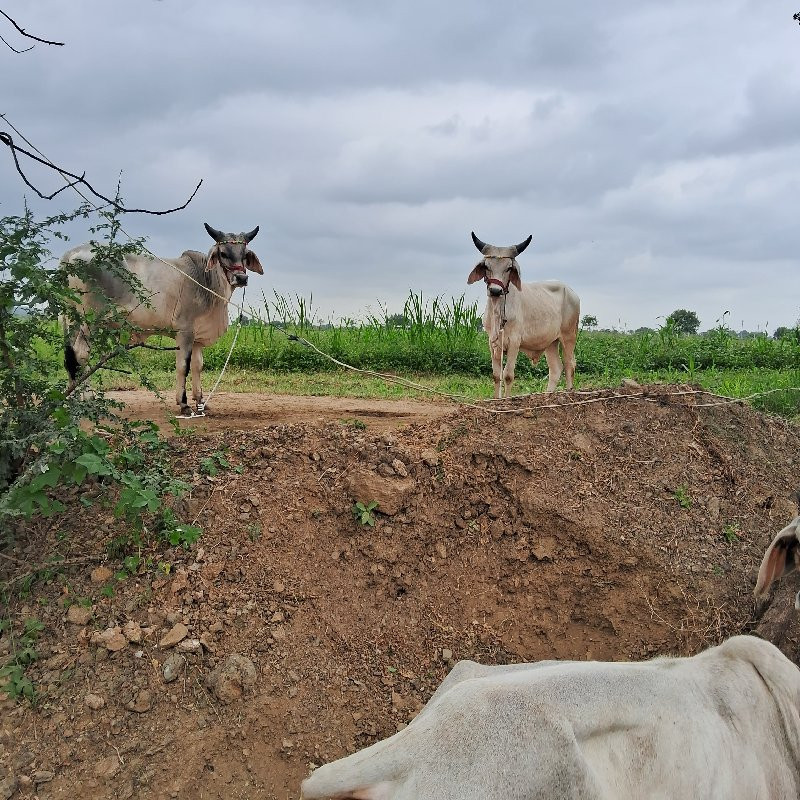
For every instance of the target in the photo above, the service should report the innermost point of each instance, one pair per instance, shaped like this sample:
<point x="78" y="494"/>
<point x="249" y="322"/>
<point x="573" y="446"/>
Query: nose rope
<point x="501" y="333"/>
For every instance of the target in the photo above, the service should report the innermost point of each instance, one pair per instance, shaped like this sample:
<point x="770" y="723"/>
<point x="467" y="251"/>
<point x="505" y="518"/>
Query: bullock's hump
<point x="82" y="252"/>
<point x="194" y="257"/>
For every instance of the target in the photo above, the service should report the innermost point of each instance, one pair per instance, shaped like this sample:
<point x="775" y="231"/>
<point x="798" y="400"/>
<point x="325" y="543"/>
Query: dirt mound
<point x="619" y="528"/>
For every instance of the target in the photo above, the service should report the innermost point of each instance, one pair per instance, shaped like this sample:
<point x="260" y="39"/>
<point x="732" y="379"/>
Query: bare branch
<point x="29" y="35"/>
<point x="11" y="47"/>
<point x="5" y="138"/>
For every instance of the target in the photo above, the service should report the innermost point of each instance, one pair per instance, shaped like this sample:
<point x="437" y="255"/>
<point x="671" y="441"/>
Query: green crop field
<point x="440" y="344"/>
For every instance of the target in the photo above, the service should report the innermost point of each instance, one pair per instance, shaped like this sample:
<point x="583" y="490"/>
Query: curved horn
<point x="478" y="243"/>
<point x="522" y="245"/>
<point x="248" y="237"/>
<point x="216" y="235"/>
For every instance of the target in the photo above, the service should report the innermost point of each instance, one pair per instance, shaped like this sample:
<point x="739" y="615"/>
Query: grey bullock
<point x="178" y="306"/>
<point x="781" y="557"/>
<point x="532" y="317"/>
<point x="722" y="725"/>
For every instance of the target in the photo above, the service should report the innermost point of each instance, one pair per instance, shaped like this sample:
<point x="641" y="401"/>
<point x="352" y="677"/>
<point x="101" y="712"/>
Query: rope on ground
<point x="722" y="400"/>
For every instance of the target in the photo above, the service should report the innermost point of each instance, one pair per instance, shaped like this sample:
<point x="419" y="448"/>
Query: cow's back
<point x="543" y="311"/>
<point x="174" y="301"/>
<point x="708" y="727"/>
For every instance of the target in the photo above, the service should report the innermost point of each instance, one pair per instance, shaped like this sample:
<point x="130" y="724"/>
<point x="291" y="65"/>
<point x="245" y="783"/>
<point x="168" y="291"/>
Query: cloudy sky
<point x="651" y="148"/>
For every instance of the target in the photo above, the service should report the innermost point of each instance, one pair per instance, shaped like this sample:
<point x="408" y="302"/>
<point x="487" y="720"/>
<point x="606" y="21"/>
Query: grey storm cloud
<point x="650" y="148"/>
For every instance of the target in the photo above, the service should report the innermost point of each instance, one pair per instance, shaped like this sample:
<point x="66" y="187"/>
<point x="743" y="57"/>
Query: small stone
<point x="447" y="655"/>
<point x="173" y="617"/>
<point x="79" y="615"/>
<point x="430" y="457"/>
<point x="141" y="703"/>
<point x="441" y="550"/>
<point x="178" y="633"/>
<point x="629" y="383"/>
<point x="385" y="470"/>
<point x="233" y="678"/>
<point x="8" y="787"/>
<point x="278" y="616"/>
<point x="43" y="776"/>
<point x="190" y="646"/>
<point x="173" y="667"/>
<point x="180" y="582"/>
<point x="278" y="633"/>
<point x="400" y="468"/>
<point x="100" y="575"/>
<point x="132" y="631"/>
<point x="279" y="587"/>
<point x="107" y="767"/>
<point x="111" y="639"/>
<point x="94" y="701"/>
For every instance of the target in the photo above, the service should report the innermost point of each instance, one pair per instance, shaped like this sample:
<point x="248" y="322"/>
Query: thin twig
<point x="27" y="35"/>
<point x="5" y="138"/>
<point x="11" y="47"/>
<point x="116" y="750"/>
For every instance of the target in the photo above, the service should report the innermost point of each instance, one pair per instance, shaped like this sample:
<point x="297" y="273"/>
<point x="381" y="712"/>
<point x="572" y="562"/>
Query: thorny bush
<point x="52" y="438"/>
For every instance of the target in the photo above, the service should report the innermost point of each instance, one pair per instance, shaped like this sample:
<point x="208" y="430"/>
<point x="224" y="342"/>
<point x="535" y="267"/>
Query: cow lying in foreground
<point x="178" y="306"/>
<point x="724" y="724"/>
<point x="532" y="317"/>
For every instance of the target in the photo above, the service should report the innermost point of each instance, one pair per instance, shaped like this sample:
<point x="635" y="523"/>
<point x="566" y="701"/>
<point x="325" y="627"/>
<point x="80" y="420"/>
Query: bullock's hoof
<point x="186" y="412"/>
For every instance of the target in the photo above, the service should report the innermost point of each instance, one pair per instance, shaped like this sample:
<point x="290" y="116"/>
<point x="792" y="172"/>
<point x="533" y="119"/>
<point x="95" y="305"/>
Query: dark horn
<point x="248" y="237"/>
<point x="478" y="243"/>
<point x="216" y="235"/>
<point x="522" y="245"/>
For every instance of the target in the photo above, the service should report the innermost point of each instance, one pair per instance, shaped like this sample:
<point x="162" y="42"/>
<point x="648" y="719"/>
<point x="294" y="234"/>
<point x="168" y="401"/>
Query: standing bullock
<point x="532" y="317"/>
<point x="193" y="309"/>
<point x="722" y="725"/>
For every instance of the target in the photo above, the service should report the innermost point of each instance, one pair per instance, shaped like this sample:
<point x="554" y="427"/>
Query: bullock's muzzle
<point x="495" y="291"/>
<point x="237" y="278"/>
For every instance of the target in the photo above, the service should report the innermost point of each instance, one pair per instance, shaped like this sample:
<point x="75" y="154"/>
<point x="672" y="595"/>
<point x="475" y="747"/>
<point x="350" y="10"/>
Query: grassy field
<point x="441" y="345"/>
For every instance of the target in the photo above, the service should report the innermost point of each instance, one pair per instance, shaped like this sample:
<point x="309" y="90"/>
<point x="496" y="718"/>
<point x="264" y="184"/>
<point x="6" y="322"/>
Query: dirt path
<point x="252" y="411"/>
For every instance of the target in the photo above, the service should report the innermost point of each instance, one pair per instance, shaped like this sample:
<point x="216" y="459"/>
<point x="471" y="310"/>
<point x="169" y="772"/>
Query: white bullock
<point x="722" y="725"/>
<point x="531" y="317"/>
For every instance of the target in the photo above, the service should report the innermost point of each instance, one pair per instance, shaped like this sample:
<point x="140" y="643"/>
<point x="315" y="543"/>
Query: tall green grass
<point x="438" y="337"/>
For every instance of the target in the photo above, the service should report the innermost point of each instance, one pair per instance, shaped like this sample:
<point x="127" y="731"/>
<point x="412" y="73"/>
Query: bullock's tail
<point x="76" y="349"/>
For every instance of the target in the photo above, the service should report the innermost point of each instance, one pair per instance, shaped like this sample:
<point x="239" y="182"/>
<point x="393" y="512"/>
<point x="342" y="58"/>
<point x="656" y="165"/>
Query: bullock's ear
<point x="514" y="275"/>
<point x="213" y="260"/>
<point x="252" y="263"/>
<point x="781" y="558"/>
<point x="478" y="273"/>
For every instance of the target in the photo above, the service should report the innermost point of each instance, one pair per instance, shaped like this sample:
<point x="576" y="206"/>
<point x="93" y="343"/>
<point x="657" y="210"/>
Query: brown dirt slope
<point x="617" y="529"/>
